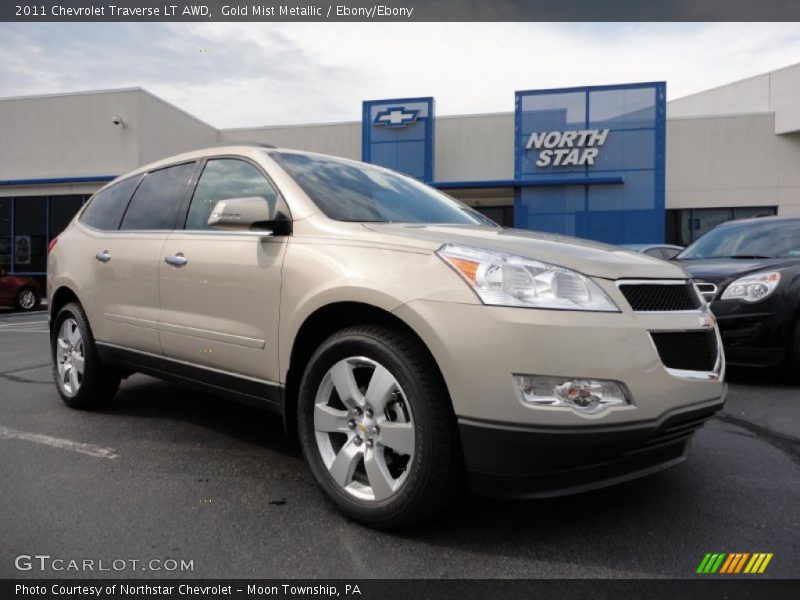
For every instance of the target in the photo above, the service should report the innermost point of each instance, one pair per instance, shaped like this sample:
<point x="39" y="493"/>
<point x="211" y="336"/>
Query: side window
<point x="105" y="209"/>
<point x="224" y="178"/>
<point x="157" y="202"/>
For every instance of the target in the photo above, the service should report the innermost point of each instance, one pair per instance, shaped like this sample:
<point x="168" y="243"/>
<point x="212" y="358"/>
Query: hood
<point x="718" y="270"/>
<point x="589" y="258"/>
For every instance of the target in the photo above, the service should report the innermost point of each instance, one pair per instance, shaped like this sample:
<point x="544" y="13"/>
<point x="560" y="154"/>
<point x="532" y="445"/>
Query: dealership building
<point x="613" y="163"/>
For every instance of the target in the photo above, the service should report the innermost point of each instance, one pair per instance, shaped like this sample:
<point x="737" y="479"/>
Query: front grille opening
<point x="687" y="350"/>
<point x="660" y="297"/>
<point x="709" y="290"/>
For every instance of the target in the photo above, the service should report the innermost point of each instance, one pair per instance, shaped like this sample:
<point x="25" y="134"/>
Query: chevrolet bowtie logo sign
<point x="396" y="116"/>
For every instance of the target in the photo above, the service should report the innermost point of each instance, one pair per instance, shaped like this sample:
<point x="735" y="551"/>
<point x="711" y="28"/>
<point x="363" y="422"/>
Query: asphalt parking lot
<point x="167" y="473"/>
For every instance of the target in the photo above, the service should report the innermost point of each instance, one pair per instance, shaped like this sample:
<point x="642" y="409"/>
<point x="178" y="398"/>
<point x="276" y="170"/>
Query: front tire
<point x="82" y="381"/>
<point x="377" y="427"/>
<point x="27" y="299"/>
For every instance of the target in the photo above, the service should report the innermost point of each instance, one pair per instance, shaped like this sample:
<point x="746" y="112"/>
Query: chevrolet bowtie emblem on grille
<point x="396" y="116"/>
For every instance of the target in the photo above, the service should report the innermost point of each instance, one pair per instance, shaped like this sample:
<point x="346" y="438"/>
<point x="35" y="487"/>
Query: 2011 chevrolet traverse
<point x="406" y="339"/>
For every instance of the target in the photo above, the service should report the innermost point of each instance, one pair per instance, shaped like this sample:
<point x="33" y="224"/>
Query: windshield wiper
<point x="744" y="256"/>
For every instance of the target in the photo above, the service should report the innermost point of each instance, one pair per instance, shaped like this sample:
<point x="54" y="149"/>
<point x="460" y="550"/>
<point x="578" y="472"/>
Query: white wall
<point x="72" y="135"/>
<point x="776" y="91"/>
<point x="337" y="139"/>
<point x="732" y="161"/>
<point x="474" y="147"/>
<point x="165" y="130"/>
<point x="68" y="135"/>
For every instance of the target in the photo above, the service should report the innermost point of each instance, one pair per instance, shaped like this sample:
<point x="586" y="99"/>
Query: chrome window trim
<point x="226" y="233"/>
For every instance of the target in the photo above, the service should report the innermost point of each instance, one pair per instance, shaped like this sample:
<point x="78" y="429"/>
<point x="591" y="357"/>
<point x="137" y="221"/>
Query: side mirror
<point x="240" y="214"/>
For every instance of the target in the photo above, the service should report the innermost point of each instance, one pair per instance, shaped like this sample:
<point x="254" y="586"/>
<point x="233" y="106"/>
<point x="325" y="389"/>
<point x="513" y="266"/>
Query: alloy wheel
<point x="70" y="358"/>
<point x="364" y="428"/>
<point x="27" y="299"/>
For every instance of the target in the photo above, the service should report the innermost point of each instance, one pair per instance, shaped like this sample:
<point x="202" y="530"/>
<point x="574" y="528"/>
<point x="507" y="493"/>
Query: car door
<point x="124" y="298"/>
<point x="220" y="290"/>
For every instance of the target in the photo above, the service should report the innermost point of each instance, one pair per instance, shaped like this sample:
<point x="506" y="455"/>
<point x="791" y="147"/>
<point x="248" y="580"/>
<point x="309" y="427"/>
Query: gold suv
<point x="409" y="342"/>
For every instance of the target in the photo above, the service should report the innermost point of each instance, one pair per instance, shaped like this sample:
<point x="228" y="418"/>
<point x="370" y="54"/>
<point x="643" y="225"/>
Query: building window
<point x="684" y="226"/>
<point x="27" y="224"/>
<point x="62" y="209"/>
<point x="502" y="215"/>
<point x="30" y="234"/>
<point x="5" y="234"/>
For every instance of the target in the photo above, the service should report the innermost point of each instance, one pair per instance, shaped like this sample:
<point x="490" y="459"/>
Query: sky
<point x="259" y="74"/>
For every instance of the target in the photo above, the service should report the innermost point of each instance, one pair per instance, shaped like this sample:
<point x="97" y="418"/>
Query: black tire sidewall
<point x="348" y="344"/>
<point x="97" y="387"/>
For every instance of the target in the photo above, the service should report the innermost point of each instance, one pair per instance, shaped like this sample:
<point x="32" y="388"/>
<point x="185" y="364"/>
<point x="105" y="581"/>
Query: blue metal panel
<point x="58" y="180"/>
<point x="499" y="183"/>
<point x="632" y="153"/>
<point x="399" y="134"/>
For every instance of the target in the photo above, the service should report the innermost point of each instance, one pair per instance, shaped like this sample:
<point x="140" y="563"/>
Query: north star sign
<point x="567" y="148"/>
<point x="396" y="116"/>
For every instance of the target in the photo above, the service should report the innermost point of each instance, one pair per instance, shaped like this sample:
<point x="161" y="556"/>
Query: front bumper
<point x="525" y="462"/>
<point x="755" y="335"/>
<point x="513" y="448"/>
<point x="479" y="348"/>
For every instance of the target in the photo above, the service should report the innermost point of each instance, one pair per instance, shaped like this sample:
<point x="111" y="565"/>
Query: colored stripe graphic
<point x="733" y="563"/>
<point x="711" y="563"/>
<point x="758" y="563"/>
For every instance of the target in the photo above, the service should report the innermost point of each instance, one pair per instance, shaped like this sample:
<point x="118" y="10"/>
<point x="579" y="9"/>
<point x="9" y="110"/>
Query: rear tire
<point x="27" y="299"/>
<point x="377" y="427"/>
<point x="83" y="382"/>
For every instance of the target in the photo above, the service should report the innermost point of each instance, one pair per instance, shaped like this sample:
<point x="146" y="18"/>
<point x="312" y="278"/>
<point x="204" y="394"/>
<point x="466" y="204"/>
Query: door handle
<point x="176" y="261"/>
<point x="103" y="256"/>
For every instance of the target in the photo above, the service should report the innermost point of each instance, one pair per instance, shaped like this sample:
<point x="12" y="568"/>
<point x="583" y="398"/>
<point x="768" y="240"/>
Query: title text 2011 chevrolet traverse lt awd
<point x="408" y="341"/>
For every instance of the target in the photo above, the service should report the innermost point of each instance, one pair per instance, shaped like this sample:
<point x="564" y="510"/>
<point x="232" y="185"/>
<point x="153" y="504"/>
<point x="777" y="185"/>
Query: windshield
<point x="748" y="239"/>
<point x="348" y="191"/>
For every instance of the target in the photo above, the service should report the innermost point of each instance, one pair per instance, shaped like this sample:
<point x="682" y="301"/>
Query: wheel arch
<point x="61" y="297"/>
<point x="320" y="325"/>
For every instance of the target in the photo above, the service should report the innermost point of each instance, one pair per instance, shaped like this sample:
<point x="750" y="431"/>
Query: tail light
<point x="52" y="244"/>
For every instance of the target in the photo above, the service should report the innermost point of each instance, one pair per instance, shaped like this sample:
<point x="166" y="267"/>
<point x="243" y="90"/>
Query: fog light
<point x="588" y="396"/>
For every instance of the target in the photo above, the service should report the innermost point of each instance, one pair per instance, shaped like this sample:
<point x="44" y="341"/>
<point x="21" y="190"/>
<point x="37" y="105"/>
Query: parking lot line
<point x="7" y="433"/>
<point x="15" y="324"/>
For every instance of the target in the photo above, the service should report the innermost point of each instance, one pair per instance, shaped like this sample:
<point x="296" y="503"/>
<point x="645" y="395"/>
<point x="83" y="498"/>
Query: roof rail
<point x="254" y="144"/>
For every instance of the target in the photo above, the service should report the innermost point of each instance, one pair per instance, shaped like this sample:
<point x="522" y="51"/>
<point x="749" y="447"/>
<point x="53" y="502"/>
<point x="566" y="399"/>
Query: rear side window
<point x="225" y="178"/>
<point x="157" y="202"/>
<point x="107" y="207"/>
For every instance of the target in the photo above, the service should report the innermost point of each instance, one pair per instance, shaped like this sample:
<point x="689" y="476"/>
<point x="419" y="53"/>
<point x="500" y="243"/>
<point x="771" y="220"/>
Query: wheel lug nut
<point x="351" y="424"/>
<point x="358" y="440"/>
<point x="369" y="413"/>
<point x="370" y="443"/>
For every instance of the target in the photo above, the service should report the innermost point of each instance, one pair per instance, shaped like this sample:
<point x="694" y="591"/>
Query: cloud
<point x="238" y="75"/>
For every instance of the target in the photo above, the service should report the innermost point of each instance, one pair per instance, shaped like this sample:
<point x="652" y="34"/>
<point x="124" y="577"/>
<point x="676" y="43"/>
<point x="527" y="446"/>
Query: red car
<point x="20" y="292"/>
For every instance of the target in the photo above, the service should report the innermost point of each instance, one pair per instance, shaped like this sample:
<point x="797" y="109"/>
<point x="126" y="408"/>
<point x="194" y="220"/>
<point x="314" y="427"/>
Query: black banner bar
<point x="372" y="589"/>
<point x="399" y="10"/>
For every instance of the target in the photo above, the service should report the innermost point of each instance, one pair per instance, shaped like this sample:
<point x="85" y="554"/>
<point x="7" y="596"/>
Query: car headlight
<point x="506" y="280"/>
<point x="753" y="288"/>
